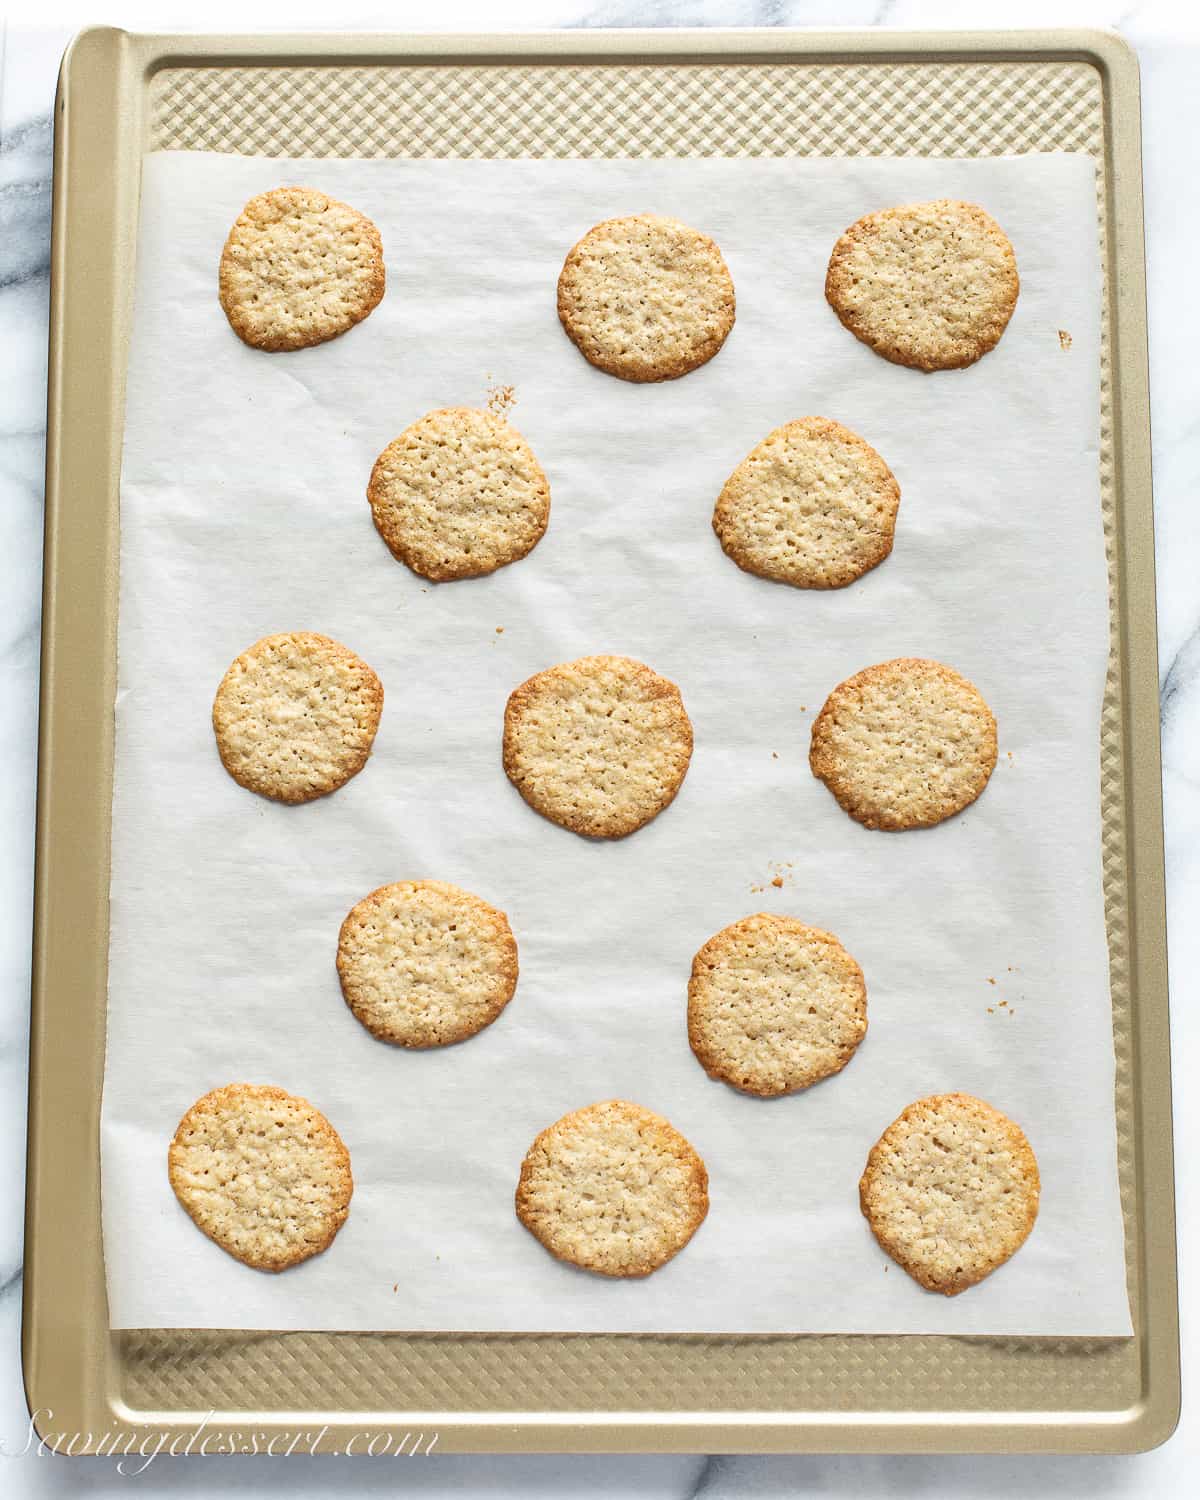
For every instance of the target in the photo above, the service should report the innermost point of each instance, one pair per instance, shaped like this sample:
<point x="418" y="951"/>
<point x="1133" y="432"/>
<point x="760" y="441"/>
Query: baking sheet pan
<point x="631" y="94"/>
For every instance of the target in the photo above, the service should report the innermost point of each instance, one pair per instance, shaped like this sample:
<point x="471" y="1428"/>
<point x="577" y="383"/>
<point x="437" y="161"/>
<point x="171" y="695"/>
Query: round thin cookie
<point x="904" y="744"/>
<point x="295" y="716"/>
<point x="613" y="1188"/>
<point x="600" y="745"/>
<point x="424" y="964"/>
<point x="950" y="1191"/>
<point x="459" y="494"/>
<point x="812" y="505"/>
<point x="299" y="268"/>
<point x="774" y="1006"/>
<point x="930" y="285"/>
<point x="262" y="1173"/>
<point x="646" y="297"/>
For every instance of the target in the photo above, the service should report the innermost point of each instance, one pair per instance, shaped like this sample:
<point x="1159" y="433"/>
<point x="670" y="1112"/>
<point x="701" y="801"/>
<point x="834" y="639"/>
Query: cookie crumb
<point x="774" y="754"/>
<point x="501" y="399"/>
<point x="499" y="629"/>
<point x="778" y="882"/>
<point x="1064" y="339"/>
<point x="991" y="980"/>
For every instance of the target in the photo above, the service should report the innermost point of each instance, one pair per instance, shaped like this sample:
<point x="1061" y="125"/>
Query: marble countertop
<point x="1167" y="37"/>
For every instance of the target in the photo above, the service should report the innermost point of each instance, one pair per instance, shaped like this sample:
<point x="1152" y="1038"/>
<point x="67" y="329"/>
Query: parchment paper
<point x="983" y="944"/>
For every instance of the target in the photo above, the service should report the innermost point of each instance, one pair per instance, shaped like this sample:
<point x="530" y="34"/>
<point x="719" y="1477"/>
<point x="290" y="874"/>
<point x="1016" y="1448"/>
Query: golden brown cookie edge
<point x="393" y="536"/>
<point x="668" y="369"/>
<point x="523" y="694"/>
<point x="208" y="1104"/>
<point x="697" y="1187"/>
<point x="873" y="1170"/>
<point x="837" y="278"/>
<point x="509" y="972"/>
<point x="824" y="766"/>
<point x="374" y="705"/>
<point x="707" y="1057"/>
<point x="281" y="344"/>
<point x="824" y="427"/>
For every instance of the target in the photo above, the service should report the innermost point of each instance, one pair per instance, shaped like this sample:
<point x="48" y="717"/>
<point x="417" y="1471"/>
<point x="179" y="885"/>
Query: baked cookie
<point x="612" y="1188"/>
<point x="262" y="1173"/>
<point x="774" y="1006"/>
<point x="423" y="964"/>
<point x="905" y="744"/>
<point x="646" y="297"/>
<point x="295" y="716"/>
<point x="600" y="745"/>
<point x="299" y="268"/>
<point x="931" y="285"/>
<point x="459" y="493"/>
<point x="950" y="1191"/>
<point x="813" y="505"/>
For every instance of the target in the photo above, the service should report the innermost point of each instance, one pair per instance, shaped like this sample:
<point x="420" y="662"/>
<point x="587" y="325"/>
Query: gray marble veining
<point x="25" y="201"/>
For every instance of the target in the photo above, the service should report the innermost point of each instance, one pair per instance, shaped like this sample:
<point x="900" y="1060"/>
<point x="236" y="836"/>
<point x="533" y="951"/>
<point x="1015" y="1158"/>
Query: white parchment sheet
<point x="244" y="512"/>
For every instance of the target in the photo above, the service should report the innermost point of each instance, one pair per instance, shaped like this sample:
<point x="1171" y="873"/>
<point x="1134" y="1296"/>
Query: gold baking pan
<point x="667" y="93"/>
